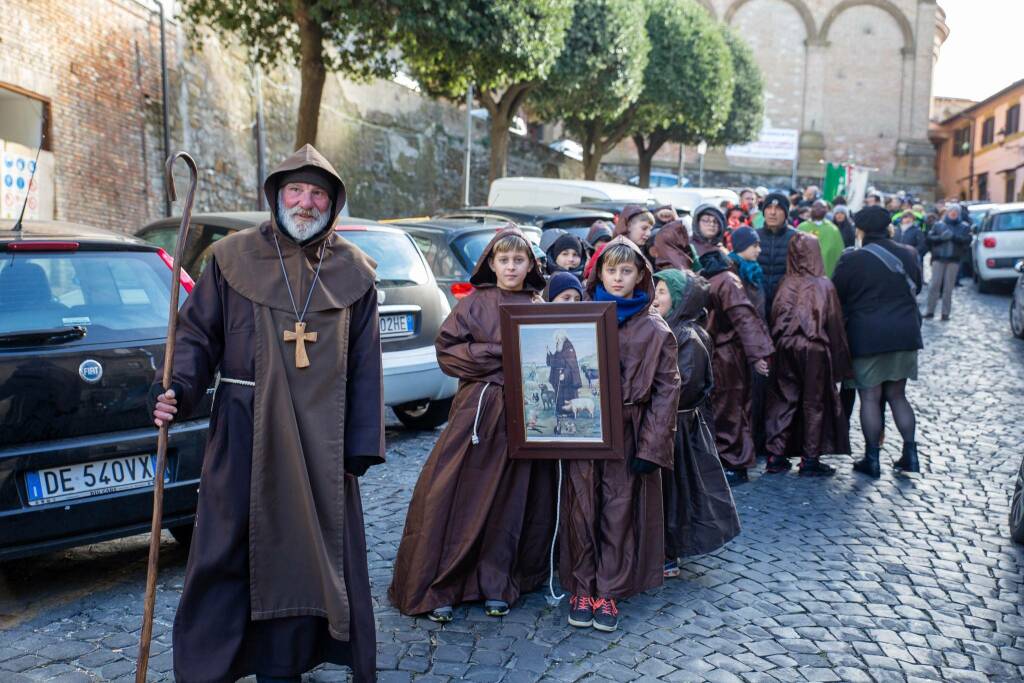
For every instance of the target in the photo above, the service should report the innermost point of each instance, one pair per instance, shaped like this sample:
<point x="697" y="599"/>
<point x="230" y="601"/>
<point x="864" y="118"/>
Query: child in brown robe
<point x="741" y="342"/>
<point x="700" y="515"/>
<point x="613" y="545"/>
<point x="479" y="524"/>
<point x="804" y="414"/>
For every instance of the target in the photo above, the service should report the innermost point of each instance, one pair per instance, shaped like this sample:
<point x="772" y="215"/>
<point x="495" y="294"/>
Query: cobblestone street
<point x="907" y="578"/>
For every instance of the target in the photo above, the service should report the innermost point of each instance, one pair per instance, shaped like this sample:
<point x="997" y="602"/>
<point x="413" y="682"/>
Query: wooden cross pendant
<point x="300" y="337"/>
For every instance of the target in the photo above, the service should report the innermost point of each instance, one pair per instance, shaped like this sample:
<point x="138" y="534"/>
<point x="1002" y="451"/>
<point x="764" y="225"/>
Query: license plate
<point x="396" y="325"/>
<point x="90" y="479"/>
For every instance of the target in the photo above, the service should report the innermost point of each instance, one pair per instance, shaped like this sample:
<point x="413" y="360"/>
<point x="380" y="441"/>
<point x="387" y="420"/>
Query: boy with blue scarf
<point x="613" y="545"/>
<point x="746" y="247"/>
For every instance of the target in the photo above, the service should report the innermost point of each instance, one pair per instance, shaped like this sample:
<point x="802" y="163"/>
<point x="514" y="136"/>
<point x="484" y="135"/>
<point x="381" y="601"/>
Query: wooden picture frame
<point x="558" y="406"/>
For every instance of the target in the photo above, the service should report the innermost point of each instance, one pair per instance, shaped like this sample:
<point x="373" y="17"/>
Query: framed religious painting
<point x="563" y="393"/>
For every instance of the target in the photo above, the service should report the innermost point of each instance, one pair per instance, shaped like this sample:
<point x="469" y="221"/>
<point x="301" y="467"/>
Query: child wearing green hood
<point x="700" y="515"/>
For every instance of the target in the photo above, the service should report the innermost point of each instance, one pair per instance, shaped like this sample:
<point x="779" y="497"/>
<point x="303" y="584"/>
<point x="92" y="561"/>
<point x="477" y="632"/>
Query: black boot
<point x="869" y="463"/>
<point x="814" y="467"/>
<point x="908" y="463"/>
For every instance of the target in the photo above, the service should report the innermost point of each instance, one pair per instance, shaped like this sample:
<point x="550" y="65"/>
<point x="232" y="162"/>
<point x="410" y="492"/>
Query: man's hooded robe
<point x="277" y="578"/>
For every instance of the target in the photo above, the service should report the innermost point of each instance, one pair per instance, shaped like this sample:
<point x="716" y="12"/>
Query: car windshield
<point x="398" y="261"/>
<point x="114" y="296"/>
<point x="576" y="226"/>
<point x="469" y="247"/>
<point x="976" y="217"/>
<point x="1008" y="221"/>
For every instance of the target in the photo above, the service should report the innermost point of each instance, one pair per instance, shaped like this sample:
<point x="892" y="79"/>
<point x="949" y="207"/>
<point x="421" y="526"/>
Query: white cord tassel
<point x="479" y="407"/>
<point x="555" y="600"/>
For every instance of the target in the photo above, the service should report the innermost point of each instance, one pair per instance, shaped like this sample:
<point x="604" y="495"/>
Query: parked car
<point x="976" y="212"/>
<point x="570" y="219"/>
<point x="524" y="191"/>
<point x="83" y="322"/>
<point x="452" y="246"/>
<point x="1017" y="303"/>
<point x="689" y="198"/>
<point x="411" y="308"/>
<point x="998" y="245"/>
<point x="662" y="179"/>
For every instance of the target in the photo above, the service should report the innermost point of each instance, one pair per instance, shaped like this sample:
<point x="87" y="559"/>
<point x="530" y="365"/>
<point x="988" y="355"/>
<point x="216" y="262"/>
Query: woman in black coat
<point x="877" y="286"/>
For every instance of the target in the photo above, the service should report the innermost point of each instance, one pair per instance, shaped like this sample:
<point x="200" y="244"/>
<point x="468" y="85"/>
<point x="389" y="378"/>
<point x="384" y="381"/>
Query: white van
<point x="689" y="198"/>
<point x="522" y="191"/>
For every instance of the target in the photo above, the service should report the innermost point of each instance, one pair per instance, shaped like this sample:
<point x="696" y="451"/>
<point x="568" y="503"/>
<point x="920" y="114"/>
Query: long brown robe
<point x="700" y="515"/>
<point x="672" y="247"/>
<point x="564" y="375"/>
<point x="479" y="524"/>
<point x="613" y="540"/>
<point x="277" y="579"/>
<point x="804" y="415"/>
<point x="740" y="338"/>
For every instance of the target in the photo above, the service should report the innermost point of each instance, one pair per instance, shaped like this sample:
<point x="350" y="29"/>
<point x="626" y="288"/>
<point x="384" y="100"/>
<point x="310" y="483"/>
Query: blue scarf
<point x="624" y="308"/>
<point x="750" y="271"/>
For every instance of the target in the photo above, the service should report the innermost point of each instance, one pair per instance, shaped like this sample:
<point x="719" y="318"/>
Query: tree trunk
<point x="591" y="152"/>
<point x="313" y="74"/>
<point x="499" y="144"/>
<point x="644" y="157"/>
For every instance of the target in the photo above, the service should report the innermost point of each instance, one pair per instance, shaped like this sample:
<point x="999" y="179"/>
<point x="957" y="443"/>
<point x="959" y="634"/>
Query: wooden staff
<point x="161" y="447"/>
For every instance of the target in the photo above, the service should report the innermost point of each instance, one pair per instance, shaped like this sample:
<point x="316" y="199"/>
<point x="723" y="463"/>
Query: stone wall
<point x="97" y="63"/>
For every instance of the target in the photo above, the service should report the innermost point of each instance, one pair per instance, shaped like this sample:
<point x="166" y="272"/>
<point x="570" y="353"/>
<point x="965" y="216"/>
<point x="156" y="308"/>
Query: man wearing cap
<point x="277" y="579"/>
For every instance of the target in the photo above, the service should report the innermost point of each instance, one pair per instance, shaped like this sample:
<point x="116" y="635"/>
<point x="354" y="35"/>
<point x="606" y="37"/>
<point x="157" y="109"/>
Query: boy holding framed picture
<point x="613" y="540"/>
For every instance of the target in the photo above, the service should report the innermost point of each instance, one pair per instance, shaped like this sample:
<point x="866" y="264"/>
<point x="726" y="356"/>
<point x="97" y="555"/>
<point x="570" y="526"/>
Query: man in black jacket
<point x="775" y="236"/>
<point x="948" y="241"/>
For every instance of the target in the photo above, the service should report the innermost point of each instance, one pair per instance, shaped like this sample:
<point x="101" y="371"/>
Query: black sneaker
<point x="671" y="569"/>
<point x="777" y="464"/>
<point x="929" y="316"/>
<point x="945" y="318"/>
<point x="737" y="477"/>
<point x="816" y="468"/>
<point x="581" y="611"/>
<point x="606" y="615"/>
<point x="441" y="615"/>
<point x="496" y="608"/>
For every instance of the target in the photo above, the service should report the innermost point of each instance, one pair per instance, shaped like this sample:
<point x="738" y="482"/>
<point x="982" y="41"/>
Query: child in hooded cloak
<point x="479" y="524"/>
<point x="700" y="515"/>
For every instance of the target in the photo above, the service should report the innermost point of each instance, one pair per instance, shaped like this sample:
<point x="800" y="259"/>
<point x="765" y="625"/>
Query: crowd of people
<point x="745" y="331"/>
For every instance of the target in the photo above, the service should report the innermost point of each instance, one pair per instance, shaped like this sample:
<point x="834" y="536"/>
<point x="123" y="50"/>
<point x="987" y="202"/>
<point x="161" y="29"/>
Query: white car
<point x="998" y="245"/>
<point x="689" y="198"/>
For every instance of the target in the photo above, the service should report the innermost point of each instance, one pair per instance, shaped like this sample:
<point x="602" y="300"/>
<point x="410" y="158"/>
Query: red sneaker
<point x="581" y="611"/>
<point x="606" y="615"/>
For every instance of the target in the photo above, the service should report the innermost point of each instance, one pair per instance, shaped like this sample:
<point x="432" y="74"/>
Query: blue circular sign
<point x="8" y="180"/>
<point x="21" y="164"/>
<point x="21" y="183"/>
<point x="91" y="371"/>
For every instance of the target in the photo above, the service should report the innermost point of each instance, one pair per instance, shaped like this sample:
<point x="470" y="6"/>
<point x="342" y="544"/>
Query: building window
<point x="983" y="186"/>
<point x="24" y="119"/>
<point x="1012" y="120"/>
<point x="962" y="141"/>
<point x="988" y="131"/>
<point x="1011" y="185"/>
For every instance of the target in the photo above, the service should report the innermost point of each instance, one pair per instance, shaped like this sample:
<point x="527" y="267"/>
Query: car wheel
<point x="984" y="286"/>
<point x="429" y="415"/>
<point x="183" y="534"/>
<point x="1017" y="316"/>
<point x="1017" y="508"/>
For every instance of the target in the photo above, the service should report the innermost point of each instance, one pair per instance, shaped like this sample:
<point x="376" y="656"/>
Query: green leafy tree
<point x="747" y="112"/>
<point x="688" y="83"/>
<point x="503" y="48"/>
<point x="346" y="36"/>
<point x="598" y="75"/>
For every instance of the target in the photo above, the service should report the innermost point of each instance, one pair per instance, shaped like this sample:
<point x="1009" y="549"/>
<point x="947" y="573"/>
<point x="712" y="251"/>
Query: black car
<point x="574" y="220"/>
<point x="452" y="246"/>
<point x="410" y="305"/>
<point x="83" y="321"/>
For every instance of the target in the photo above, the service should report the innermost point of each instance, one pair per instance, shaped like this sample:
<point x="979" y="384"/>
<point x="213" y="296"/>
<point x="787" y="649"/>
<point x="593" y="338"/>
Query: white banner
<point x="856" y="187"/>
<point x="772" y="143"/>
<point x="16" y="162"/>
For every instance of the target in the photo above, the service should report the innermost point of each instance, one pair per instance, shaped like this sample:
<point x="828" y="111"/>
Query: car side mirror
<point x="1019" y="266"/>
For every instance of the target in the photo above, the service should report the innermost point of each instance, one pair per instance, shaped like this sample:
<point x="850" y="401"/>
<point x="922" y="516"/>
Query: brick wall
<point x="86" y="58"/>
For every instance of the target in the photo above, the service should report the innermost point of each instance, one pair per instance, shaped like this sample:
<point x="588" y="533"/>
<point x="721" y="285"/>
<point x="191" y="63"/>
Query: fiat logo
<point x="91" y="371"/>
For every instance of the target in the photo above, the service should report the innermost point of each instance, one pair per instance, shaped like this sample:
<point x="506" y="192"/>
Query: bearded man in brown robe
<point x="277" y="579"/>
